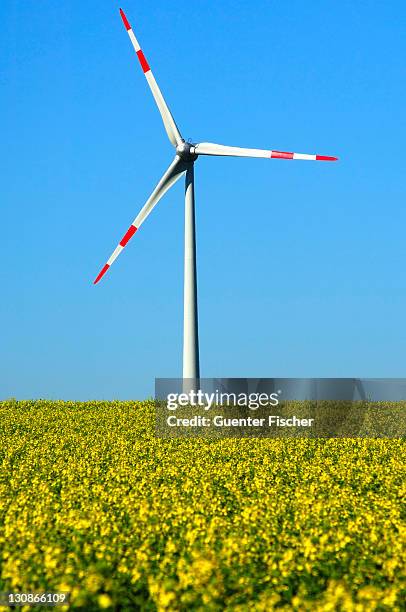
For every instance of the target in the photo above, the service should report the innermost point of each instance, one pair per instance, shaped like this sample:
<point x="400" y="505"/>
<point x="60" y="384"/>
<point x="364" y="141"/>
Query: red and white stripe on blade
<point x="174" y="172"/>
<point x="209" y="148"/>
<point x="169" y="122"/>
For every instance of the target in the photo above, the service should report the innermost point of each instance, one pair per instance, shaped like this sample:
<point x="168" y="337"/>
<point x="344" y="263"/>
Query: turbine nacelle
<point x="186" y="152"/>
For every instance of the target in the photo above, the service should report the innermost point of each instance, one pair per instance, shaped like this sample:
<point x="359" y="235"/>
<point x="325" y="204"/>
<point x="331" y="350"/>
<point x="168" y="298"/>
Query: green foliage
<point x="93" y="503"/>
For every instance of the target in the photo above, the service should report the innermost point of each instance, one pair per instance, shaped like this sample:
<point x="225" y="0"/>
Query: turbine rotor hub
<point x="186" y="152"/>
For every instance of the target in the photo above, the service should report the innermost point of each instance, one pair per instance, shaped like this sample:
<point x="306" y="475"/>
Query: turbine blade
<point x="209" y="148"/>
<point x="174" y="172"/>
<point x="169" y="122"/>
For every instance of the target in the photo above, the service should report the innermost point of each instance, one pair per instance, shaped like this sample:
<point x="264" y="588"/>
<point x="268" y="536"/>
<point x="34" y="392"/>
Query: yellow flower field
<point x="91" y="502"/>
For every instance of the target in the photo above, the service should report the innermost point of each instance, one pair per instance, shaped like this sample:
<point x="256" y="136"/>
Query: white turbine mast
<point x="185" y="157"/>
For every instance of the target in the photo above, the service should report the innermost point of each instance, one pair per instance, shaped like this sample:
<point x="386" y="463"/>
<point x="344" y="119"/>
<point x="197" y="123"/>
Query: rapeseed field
<point x="92" y="503"/>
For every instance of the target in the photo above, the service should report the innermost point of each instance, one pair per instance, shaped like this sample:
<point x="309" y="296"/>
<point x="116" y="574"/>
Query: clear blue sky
<point x="301" y="265"/>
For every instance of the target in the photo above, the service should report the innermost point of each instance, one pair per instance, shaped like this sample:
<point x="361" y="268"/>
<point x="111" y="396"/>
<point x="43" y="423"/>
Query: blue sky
<point x="301" y="266"/>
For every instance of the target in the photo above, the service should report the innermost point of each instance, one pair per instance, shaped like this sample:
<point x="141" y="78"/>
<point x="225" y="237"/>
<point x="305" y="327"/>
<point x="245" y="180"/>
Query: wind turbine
<point x="185" y="157"/>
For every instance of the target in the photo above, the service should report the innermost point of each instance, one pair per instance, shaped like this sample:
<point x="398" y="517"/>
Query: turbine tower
<point x="185" y="157"/>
